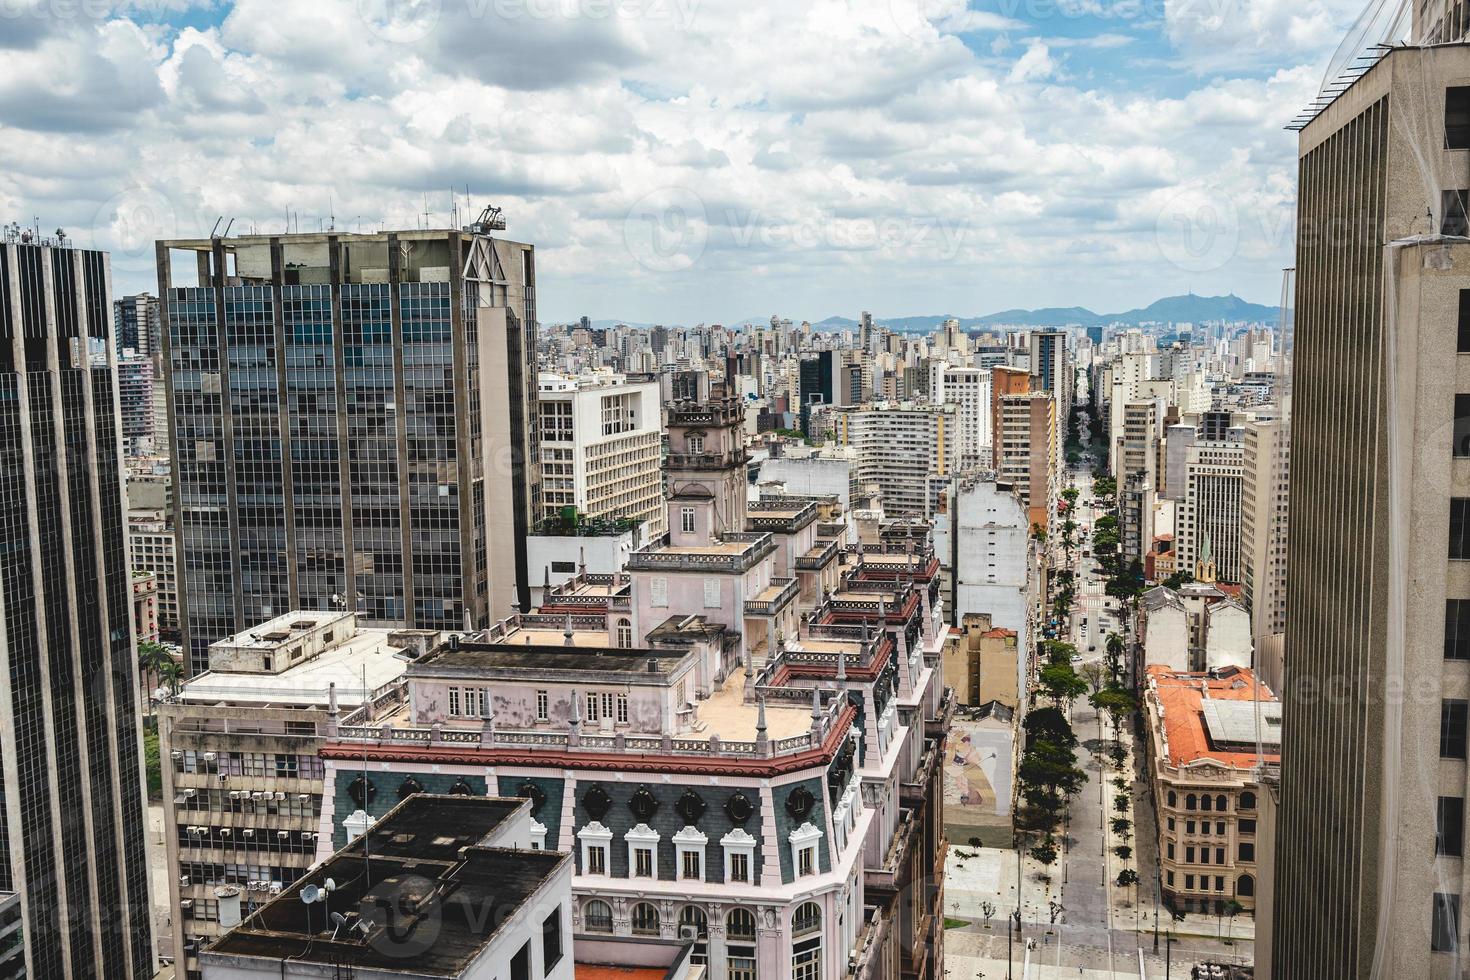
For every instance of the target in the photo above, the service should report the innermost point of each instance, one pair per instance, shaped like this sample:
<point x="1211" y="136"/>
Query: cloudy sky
<point x="693" y="160"/>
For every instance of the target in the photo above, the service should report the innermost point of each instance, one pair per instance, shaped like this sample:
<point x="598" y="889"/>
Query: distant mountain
<point x="1171" y="309"/>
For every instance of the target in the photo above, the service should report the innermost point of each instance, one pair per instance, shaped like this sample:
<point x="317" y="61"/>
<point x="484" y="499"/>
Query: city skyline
<point x="960" y="155"/>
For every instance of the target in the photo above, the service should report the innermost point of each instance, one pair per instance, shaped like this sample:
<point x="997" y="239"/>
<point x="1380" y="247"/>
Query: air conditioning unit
<point x="176" y="754"/>
<point x="183" y="881"/>
<point x="280" y="795"/>
<point x="210" y="757"/>
<point x="186" y="904"/>
<point x="226" y="832"/>
<point x="283" y="834"/>
<point x="247" y="833"/>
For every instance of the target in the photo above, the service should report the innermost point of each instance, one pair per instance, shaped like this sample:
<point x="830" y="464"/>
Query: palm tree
<point x="158" y="667"/>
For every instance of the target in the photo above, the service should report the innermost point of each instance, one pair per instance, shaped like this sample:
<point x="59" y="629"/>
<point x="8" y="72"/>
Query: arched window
<point x="806" y="942"/>
<point x="597" y="916"/>
<point x="1246" y="887"/>
<point x="625" y="633"/>
<point x="1247" y="800"/>
<point x="1173" y="798"/>
<point x="1205" y="802"/>
<point x="740" y="944"/>
<point x="1190" y="803"/>
<point x="694" y="927"/>
<point x="1220" y="803"/>
<point x="645" y="920"/>
<point x="740" y="925"/>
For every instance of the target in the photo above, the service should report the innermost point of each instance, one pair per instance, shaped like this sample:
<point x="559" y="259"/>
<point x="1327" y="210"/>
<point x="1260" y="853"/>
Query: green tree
<point x="1127" y="877"/>
<point x="1051" y="725"/>
<point x="1116" y="702"/>
<point x="1045" y="852"/>
<point x="1061" y="683"/>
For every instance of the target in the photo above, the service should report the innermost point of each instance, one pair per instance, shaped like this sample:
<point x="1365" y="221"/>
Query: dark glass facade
<point x="71" y="827"/>
<point x="329" y="438"/>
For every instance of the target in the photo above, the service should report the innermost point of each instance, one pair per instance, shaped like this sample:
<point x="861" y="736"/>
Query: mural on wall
<point x="977" y="778"/>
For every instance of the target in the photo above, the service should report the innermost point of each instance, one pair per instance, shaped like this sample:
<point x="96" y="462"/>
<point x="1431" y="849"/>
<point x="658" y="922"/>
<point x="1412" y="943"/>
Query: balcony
<point x="819" y="557"/>
<point x="705" y="461"/>
<point x="938" y="726"/>
<point x="889" y="878"/>
<point x="774" y="598"/>
<point x="715" y="412"/>
<point x="916" y="792"/>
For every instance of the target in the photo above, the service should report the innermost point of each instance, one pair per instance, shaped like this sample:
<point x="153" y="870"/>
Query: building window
<point x="806" y="862"/>
<point x="739" y="847"/>
<point x="551" y="940"/>
<point x="1459" y="528"/>
<point x="1452" y="206"/>
<point x="642" y="862"/>
<point x="543" y="706"/>
<point x="1463" y="346"/>
<point x="695" y="444"/>
<point x="1247" y="851"/>
<point x="592" y="715"/>
<point x="1247" y="826"/>
<point x="740" y="944"/>
<point x="622" y="709"/>
<point x="1461" y="446"/>
<point x="1452" y="721"/>
<point x="1457" y="118"/>
<point x="454" y="702"/>
<point x="1457" y="629"/>
<point x="597" y="916"/>
<point x="739" y="867"/>
<point x="806" y="942"/>
<point x="1191" y="802"/>
<point x="694" y="927"/>
<point x="520" y="964"/>
<point x="1445" y="930"/>
<point x="686" y="520"/>
<point x="1170" y="850"/>
<point x="1246" y="887"/>
<point x="1449" y="833"/>
<point x="625" y="633"/>
<point x="595" y="840"/>
<point x="1247" y="800"/>
<point x="645" y="920"/>
<point x="689" y="845"/>
<point x="1189" y="855"/>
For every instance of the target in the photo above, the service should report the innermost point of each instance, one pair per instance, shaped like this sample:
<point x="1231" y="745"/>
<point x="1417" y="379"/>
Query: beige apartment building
<point x="1026" y="452"/>
<point x="1209" y="734"/>
<point x="981" y="665"/>
<point x="242" y="780"/>
<point x="909" y="449"/>
<point x="1369" y="867"/>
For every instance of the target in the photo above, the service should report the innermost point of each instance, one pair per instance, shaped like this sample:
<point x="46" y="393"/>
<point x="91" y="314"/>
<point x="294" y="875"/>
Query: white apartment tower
<point x="600" y="438"/>
<point x="1208" y="529"/>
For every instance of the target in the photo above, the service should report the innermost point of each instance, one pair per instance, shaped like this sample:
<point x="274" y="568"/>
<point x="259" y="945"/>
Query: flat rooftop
<point x="552" y="655"/>
<point x="283" y="629"/>
<point x="421" y="895"/>
<point x="726" y="714"/>
<point x="360" y="666"/>
<point x="1186" y="700"/>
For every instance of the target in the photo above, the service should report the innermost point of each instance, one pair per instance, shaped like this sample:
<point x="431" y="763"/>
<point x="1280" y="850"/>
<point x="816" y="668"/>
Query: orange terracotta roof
<point x="1181" y="695"/>
<point x="587" y="971"/>
<point x="1000" y="632"/>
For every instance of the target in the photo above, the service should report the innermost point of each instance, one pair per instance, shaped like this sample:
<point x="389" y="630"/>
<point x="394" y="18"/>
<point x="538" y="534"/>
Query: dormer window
<point x="695" y="443"/>
<point x="804" y="841"/>
<point x="689" y="844"/>
<point x="686" y="524"/>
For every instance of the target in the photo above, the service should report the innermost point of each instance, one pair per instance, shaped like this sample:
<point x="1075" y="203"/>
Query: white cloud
<point x="836" y="147"/>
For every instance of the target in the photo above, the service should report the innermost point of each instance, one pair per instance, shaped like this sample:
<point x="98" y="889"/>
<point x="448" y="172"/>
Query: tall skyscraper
<point x="351" y="427"/>
<point x="71" y="825"/>
<point x="1370" y="834"/>
<point x="1051" y="366"/>
<point x="136" y="326"/>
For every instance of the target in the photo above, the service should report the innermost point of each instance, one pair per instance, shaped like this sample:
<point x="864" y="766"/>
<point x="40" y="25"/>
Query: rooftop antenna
<point x="428" y="215"/>
<point x="331" y="215"/>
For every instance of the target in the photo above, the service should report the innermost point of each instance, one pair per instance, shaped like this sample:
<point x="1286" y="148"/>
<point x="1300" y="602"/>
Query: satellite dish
<point x="330" y="884"/>
<point x="310" y="894"/>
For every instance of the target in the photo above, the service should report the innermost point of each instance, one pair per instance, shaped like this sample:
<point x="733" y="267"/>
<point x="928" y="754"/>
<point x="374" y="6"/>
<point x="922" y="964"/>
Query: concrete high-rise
<point x="1368" y="857"/>
<point x="350" y="417"/>
<point x="1263" y="537"/>
<point x="1208" y="526"/>
<point x="1051" y="367"/>
<point x="72" y="831"/>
